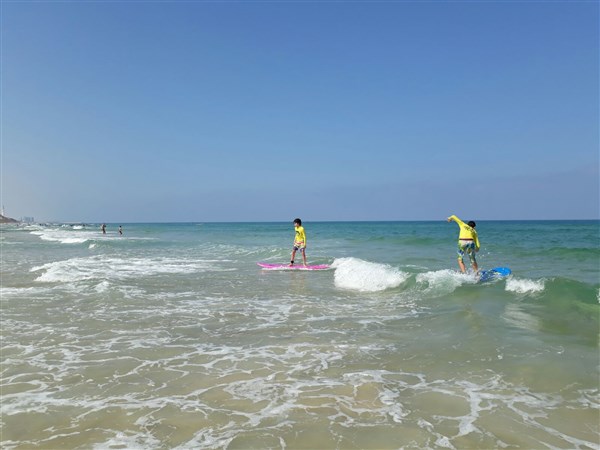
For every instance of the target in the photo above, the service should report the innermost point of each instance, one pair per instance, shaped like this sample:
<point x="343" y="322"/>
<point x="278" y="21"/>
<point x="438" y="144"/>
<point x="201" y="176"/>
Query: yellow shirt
<point x="300" y="235"/>
<point x="466" y="232"/>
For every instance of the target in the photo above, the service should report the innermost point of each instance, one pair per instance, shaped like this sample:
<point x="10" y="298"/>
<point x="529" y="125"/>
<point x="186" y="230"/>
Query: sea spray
<point x="364" y="276"/>
<point x="524" y="286"/>
<point x="441" y="282"/>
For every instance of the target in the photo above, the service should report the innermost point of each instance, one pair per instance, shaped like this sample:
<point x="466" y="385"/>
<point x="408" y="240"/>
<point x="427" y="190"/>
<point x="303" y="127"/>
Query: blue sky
<point x="265" y="111"/>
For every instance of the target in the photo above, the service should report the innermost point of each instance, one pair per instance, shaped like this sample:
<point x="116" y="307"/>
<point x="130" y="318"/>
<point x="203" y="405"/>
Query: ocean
<point x="171" y="337"/>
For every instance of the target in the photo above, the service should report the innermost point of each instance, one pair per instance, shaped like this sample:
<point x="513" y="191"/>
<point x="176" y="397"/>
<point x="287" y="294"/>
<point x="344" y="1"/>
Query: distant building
<point x="27" y="219"/>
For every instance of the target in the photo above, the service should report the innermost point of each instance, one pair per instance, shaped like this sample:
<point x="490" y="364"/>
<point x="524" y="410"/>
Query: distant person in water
<point x="468" y="242"/>
<point x="120" y="230"/>
<point x="103" y="228"/>
<point x="299" y="241"/>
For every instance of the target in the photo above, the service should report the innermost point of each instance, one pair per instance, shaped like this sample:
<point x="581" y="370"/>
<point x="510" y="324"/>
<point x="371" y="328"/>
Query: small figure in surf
<point x="103" y="228"/>
<point x="299" y="241"/>
<point x="468" y="242"/>
<point x="120" y="230"/>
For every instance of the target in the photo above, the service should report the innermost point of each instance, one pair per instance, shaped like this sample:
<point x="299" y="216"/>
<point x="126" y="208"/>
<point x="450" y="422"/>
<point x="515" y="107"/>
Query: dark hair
<point x="471" y="224"/>
<point x="298" y="221"/>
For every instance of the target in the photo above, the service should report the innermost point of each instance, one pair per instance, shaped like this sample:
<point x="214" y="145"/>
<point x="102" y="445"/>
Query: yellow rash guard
<point x="300" y="239"/>
<point x="466" y="232"/>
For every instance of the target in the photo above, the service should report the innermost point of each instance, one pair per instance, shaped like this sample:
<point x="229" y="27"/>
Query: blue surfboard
<point x="494" y="274"/>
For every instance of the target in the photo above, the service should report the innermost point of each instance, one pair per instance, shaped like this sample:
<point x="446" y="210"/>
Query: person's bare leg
<point x="293" y="256"/>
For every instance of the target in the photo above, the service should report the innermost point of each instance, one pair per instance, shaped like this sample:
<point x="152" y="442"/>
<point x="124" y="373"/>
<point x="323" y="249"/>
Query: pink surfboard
<point x="300" y="266"/>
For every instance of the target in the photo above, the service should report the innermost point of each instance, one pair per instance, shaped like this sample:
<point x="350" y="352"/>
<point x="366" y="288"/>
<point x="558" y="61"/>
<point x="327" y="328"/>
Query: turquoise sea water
<point x="171" y="336"/>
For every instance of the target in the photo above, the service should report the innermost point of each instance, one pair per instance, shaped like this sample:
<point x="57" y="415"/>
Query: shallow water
<point x="170" y="336"/>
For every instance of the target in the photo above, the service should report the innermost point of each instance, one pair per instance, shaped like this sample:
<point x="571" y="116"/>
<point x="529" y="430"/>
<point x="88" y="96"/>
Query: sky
<point x="191" y="111"/>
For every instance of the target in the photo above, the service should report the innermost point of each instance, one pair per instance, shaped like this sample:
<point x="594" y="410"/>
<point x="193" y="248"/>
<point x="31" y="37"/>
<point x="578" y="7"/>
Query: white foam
<point x="524" y="286"/>
<point x="64" y="236"/>
<point x="440" y="282"/>
<point x="103" y="268"/>
<point x="356" y="274"/>
<point x="17" y="292"/>
<point x="128" y="440"/>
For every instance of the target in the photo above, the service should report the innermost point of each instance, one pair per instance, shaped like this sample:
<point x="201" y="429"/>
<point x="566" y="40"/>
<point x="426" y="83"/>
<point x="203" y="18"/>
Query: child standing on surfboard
<point x="468" y="242"/>
<point x="299" y="241"/>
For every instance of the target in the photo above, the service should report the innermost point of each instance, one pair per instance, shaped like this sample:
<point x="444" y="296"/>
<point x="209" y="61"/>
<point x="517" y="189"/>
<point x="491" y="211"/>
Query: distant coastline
<point x="4" y="219"/>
